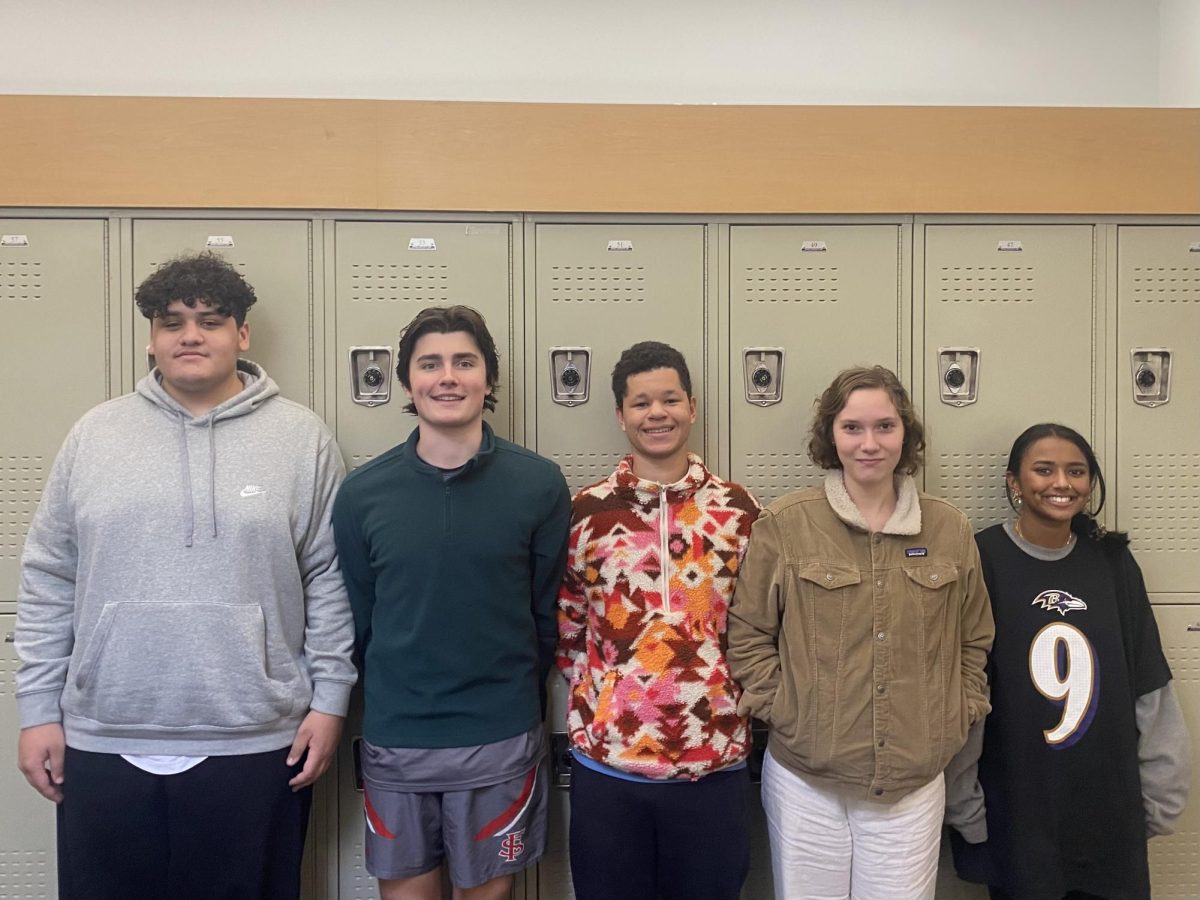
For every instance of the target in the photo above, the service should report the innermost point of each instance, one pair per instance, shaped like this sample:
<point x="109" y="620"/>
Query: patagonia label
<point x="916" y="551"/>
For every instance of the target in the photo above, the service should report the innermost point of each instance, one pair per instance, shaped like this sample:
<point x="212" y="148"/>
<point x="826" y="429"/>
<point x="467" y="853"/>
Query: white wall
<point x="1019" y="52"/>
<point x="1179" y="55"/>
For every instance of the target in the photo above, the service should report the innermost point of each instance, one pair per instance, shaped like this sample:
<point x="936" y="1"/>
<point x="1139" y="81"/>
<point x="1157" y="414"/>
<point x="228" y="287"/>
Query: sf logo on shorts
<point x="512" y="846"/>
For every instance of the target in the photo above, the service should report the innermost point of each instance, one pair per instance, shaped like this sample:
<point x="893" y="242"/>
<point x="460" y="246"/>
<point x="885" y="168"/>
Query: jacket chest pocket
<point x="825" y="588"/>
<point x="928" y="588"/>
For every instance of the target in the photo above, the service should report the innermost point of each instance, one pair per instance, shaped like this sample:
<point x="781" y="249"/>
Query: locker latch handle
<point x="762" y="370"/>
<point x="570" y="375"/>
<point x="1151" y="368"/>
<point x="958" y="375"/>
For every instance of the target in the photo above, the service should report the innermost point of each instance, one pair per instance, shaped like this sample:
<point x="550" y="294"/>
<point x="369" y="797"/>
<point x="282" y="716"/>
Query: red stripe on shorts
<point x="508" y="818"/>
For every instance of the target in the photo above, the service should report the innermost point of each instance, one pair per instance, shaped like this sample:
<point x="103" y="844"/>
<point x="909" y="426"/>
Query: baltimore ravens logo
<point x="1058" y="600"/>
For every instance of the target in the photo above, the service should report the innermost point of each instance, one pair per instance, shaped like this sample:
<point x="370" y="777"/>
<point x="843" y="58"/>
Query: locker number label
<point x="422" y="244"/>
<point x="220" y="241"/>
<point x="1009" y="246"/>
<point x="14" y="240"/>
<point x="620" y="245"/>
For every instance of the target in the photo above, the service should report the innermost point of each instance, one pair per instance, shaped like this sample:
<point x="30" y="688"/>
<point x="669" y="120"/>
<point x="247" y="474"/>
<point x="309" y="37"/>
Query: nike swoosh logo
<point x="252" y="490"/>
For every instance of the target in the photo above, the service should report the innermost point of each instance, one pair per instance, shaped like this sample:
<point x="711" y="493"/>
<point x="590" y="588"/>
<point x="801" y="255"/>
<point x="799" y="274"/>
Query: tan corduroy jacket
<point x="863" y="651"/>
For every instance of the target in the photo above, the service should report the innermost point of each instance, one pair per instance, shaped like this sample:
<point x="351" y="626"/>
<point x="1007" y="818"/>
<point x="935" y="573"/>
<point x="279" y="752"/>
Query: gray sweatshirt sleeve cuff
<point x="39" y="708"/>
<point x="966" y="811"/>
<point x="1164" y="758"/>
<point x="330" y="697"/>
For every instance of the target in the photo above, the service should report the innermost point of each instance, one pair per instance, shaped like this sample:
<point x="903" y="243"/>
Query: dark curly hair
<point x="645" y="356"/>
<point x="1083" y="523"/>
<point x="443" y="320"/>
<point x="821" y="448"/>
<point x="203" y="278"/>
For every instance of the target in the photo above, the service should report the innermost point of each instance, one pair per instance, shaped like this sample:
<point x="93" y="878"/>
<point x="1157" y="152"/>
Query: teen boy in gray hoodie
<point x="182" y="626"/>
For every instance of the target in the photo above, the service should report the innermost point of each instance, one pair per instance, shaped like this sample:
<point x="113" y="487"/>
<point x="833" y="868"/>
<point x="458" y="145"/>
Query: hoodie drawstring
<point x="187" y="484"/>
<point x="212" y="469"/>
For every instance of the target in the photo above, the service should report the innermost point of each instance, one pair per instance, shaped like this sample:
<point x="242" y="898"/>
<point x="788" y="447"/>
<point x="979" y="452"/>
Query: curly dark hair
<point x="443" y="320"/>
<point x="645" y="356"/>
<point x="821" y="448"/>
<point x="1084" y="523"/>
<point x="202" y="278"/>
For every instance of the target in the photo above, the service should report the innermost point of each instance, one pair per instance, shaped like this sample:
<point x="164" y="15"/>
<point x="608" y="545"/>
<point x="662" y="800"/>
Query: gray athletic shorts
<point x="481" y="833"/>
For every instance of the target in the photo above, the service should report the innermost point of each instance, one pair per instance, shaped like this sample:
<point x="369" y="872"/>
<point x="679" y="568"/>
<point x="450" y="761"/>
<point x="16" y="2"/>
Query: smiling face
<point x="447" y="380"/>
<point x="657" y="415"/>
<point x="1053" y="481"/>
<point x="196" y="351"/>
<point x="869" y="437"/>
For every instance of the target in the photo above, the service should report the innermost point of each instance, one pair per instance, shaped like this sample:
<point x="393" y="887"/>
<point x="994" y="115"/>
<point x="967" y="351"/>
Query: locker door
<point x="829" y="296"/>
<point x="387" y="272"/>
<point x="605" y="287"/>
<point x="1158" y="447"/>
<point x="1175" y="860"/>
<point x="1022" y="295"/>
<point x="276" y="259"/>
<point x="384" y="274"/>
<point x="27" y="856"/>
<point x="56" y="363"/>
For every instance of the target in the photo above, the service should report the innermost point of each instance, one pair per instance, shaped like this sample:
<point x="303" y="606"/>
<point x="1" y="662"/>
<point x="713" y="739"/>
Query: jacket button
<point x="933" y="577"/>
<point x="828" y="577"/>
<point x="879" y="688"/>
<point x="878" y="792"/>
<point x="879" y="583"/>
<point x="881" y="635"/>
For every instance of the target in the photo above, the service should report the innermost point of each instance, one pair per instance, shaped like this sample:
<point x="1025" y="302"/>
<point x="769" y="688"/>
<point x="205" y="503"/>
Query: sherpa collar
<point x="906" y="519"/>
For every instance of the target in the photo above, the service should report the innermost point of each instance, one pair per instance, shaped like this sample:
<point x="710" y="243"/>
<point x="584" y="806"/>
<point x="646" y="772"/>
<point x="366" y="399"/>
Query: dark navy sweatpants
<point x="227" y="829"/>
<point x="678" y="840"/>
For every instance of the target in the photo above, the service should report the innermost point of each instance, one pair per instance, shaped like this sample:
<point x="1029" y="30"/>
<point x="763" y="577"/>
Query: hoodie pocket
<point x="185" y="665"/>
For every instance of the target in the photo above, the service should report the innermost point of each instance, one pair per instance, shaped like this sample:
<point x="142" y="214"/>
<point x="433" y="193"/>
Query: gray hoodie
<point x="180" y="592"/>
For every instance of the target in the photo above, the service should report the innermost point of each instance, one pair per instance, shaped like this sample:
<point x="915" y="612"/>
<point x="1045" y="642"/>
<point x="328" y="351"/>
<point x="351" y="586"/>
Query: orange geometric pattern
<point x="640" y="635"/>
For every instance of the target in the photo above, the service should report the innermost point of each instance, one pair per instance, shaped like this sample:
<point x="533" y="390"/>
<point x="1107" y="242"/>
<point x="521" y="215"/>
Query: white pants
<point x="828" y="847"/>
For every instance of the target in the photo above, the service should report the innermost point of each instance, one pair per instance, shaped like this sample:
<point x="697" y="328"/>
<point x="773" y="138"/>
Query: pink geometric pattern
<point x="639" y="636"/>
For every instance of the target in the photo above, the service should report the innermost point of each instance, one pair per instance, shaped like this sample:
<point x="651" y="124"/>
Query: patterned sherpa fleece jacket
<point x="650" y="572"/>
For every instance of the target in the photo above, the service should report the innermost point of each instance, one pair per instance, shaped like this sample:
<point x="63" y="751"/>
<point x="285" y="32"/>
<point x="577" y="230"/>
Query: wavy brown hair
<point x="821" y="449"/>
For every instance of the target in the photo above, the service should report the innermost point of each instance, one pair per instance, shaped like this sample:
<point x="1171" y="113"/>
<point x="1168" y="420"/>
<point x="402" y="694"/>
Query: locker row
<point x="993" y="324"/>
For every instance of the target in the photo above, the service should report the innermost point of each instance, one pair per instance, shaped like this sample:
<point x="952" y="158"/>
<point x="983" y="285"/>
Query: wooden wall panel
<point x="422" y="155"/>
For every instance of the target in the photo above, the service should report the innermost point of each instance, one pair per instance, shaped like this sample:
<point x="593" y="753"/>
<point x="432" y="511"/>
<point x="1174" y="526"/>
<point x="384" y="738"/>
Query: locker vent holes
<point x="394" y="283"/>
<point x="597" y="284"/>
<point x="1164" y="502"/>
<point x="986" y="284"/>
<point x="24" y="873"/>
<point x="21" y="479"/>
<point x="790" y="284"/>
<point x="20" y="281"/>
<point x="582" y="469"/>
<point x="974" y="482"/>
<point x="768" y="476"/>
<point x="1166" y="284"/>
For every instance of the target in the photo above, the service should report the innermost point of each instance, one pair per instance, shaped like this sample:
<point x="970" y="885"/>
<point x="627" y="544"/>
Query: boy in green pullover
<point x="452" y="547"/>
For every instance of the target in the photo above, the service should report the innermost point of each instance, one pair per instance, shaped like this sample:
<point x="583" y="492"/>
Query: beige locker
<point x="826" y="296"/>
<point x="276" y="259"/>
<point x="603" y="288"/>
<point x="56" y="360"/>
<point x="27" y="858"/>
<point x="1175" y="859"/>
<point x="384" y="274"/>
<point x="1021" y="298"/>
<point x="1158" y="443"/>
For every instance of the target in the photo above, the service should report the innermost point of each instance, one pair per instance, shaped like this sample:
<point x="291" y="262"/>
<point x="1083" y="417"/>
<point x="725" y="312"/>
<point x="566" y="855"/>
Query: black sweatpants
<point x="679" y="841"/>
<point x="227" y="829"/>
